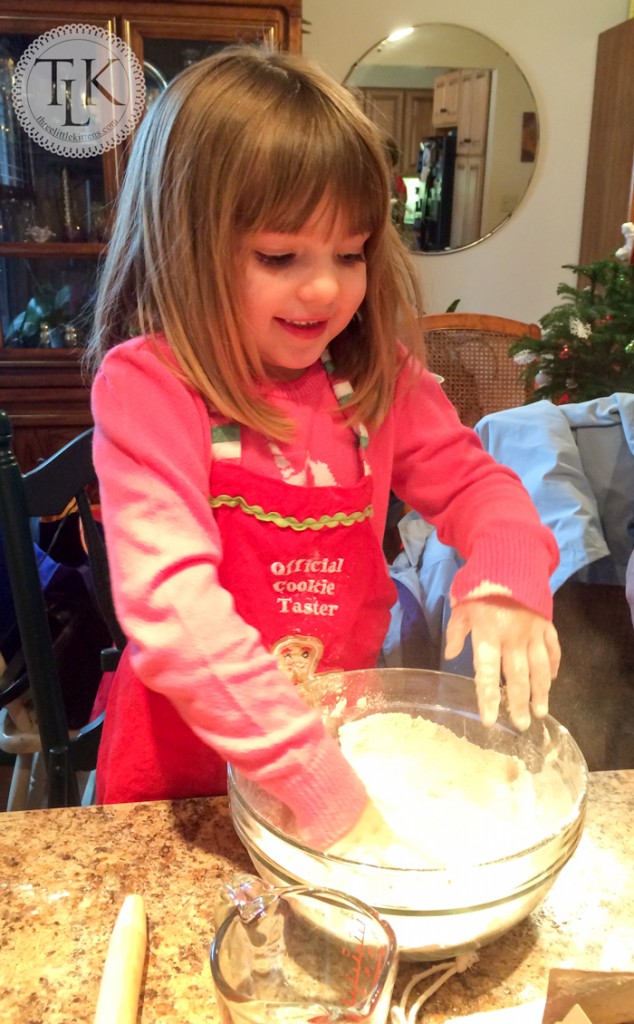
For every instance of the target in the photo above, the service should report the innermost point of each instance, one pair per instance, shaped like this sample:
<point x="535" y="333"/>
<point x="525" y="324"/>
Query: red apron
<point x="305" y="568"/>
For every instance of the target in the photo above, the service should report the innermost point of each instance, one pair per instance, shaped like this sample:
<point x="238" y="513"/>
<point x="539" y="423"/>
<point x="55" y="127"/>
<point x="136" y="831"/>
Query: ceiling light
<point x="399" y="33"/>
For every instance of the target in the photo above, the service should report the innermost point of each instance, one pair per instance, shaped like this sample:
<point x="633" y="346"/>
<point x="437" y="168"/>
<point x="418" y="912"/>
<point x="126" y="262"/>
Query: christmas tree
<point x="587" y="345"/>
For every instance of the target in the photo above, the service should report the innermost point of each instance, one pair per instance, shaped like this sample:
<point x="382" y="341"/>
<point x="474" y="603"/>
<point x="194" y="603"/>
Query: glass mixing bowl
<point x="435" y="911"/>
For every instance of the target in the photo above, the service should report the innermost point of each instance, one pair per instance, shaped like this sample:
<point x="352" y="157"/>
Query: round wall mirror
<point x="463" y="129"/>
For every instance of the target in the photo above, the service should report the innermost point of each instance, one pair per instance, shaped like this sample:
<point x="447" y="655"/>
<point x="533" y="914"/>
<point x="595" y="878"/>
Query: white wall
<point x="514" y="272"/>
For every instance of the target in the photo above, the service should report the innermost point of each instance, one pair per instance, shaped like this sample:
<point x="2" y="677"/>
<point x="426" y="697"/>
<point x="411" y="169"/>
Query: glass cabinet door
<point x="55" y="210"/>
<point x="166" y="45"/>
<point x="53" y="215"/>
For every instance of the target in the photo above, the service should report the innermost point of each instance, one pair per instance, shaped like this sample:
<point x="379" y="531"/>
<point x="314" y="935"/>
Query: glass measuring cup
<point x="303" y="955"/>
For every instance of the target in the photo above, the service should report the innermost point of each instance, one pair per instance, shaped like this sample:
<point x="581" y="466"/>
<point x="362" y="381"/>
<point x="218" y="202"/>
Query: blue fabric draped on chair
<point x="577" y="463"/>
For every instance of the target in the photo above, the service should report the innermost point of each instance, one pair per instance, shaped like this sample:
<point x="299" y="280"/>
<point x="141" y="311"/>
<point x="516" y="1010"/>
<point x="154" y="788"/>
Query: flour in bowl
<point x="447" y="800"/>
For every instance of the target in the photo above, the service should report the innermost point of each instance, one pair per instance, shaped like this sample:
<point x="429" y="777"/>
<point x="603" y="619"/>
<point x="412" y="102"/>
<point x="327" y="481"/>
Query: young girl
<point x="247" y="438"/>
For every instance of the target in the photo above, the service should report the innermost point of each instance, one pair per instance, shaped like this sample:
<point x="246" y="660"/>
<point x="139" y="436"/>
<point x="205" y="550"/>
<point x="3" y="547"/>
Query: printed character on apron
<point x="298" y="656"/>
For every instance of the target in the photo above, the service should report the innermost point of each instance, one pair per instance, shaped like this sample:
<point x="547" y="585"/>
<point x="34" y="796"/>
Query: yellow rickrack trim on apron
<point x="338" y="519"/>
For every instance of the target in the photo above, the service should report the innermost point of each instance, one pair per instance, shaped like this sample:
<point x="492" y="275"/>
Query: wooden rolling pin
<point x="118" y="1001"/>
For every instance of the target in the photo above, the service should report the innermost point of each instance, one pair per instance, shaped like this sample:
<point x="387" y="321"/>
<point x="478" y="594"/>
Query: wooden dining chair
<point x="50" y="490"/>
<point x="470" y="351"/>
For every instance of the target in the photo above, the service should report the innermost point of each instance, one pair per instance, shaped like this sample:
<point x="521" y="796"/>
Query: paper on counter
<point x="606" y="997"/>
<point x="576" y="1016"/>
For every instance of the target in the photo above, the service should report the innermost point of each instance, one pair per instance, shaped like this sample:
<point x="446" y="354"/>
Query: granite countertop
<point x="64" y="874"/>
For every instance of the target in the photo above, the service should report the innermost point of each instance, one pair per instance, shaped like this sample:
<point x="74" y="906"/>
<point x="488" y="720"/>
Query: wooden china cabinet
<point x="54" y="210"/>
<point x="609" y="196"/>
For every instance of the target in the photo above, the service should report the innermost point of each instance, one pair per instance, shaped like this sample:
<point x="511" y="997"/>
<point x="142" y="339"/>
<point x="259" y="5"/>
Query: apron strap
<point x="343" y="393"/>
<point x="226" y="438"/>
<point x="226" y="442"/>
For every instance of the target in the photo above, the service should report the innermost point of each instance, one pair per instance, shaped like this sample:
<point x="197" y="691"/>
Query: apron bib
<point x="304" y="568"/>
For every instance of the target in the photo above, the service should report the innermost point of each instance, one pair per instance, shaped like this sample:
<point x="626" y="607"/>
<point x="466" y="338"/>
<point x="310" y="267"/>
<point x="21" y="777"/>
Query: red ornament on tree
<point x="565" y="352"/>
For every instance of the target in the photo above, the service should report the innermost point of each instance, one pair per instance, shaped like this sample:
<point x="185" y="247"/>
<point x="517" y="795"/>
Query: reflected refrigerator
<point x="435" y="169"/>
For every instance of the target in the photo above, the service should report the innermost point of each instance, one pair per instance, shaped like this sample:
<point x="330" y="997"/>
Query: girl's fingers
<point x="554" y="650"/>
<point x="518" y="676"/>
<point x="541" y="677"/>
<point x="456" y="633"/>
<point x="486" y="660"/>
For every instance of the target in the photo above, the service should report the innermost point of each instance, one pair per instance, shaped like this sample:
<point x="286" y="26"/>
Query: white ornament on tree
<point x="625" y="252"/>
<point x="524" y="358"/>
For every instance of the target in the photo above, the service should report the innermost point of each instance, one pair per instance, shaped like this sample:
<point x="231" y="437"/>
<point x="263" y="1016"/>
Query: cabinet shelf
<point x="46" y="250"/>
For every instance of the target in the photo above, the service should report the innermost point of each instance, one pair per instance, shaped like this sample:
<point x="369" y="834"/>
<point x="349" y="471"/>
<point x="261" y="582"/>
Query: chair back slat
<point x="98" y="558"/>
<point x="30" y="613"/>
<point x="55" y="482"/>
<point x="48" y="491"/>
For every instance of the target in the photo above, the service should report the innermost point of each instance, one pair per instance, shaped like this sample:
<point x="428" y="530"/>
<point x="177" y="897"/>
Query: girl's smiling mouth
<point x="303" y="328"/>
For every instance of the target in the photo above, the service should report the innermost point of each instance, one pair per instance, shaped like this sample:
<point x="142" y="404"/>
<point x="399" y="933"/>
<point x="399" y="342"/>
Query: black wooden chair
<point x="48" y="491"/>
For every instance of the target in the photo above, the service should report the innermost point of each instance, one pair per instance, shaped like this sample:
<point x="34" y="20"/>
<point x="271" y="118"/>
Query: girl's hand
<point x="370" y="833"/>
<point x="506" y="634"/>
<point x="372" y="841"/>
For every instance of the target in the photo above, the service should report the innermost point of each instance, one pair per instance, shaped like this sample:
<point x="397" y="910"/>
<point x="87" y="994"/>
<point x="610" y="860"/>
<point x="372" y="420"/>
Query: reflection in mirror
<point x="465" y="125"/>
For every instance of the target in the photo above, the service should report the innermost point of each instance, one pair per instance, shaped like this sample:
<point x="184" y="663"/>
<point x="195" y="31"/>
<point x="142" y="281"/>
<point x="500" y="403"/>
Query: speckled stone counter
<point x="64" y="874"/>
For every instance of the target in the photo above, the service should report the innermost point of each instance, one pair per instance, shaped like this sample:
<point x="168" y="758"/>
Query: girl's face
<point x="300" y="291"/>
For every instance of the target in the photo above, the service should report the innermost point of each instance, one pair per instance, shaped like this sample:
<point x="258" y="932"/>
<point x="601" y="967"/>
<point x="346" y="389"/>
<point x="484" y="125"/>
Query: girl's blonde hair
<point x="246" y="141"/>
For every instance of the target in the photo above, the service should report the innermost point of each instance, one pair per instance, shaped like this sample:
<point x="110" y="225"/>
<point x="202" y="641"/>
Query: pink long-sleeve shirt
<point x="153" y="456"/>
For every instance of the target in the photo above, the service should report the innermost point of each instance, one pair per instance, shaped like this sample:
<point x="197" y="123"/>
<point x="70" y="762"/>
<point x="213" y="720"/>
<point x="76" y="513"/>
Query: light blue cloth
<point x="577" y="463"/>
<point x="604" y="433"/>
<point x="629" y="585"/>
<point x="537" y="442"/>
<point x="427" y="568"/>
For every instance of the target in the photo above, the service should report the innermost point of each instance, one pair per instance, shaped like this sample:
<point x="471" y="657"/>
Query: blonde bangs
<point x="292" y="172"/>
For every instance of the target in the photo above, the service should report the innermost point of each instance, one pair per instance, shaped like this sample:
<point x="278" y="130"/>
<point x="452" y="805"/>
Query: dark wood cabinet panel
<point x="47" y="398"/>
<point x="608" y="194"/>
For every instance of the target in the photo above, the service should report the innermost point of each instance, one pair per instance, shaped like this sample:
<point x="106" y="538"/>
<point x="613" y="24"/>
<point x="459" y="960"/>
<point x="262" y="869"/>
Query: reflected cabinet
<point x="403" y="114"/>
<point x="55" y="211"/>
